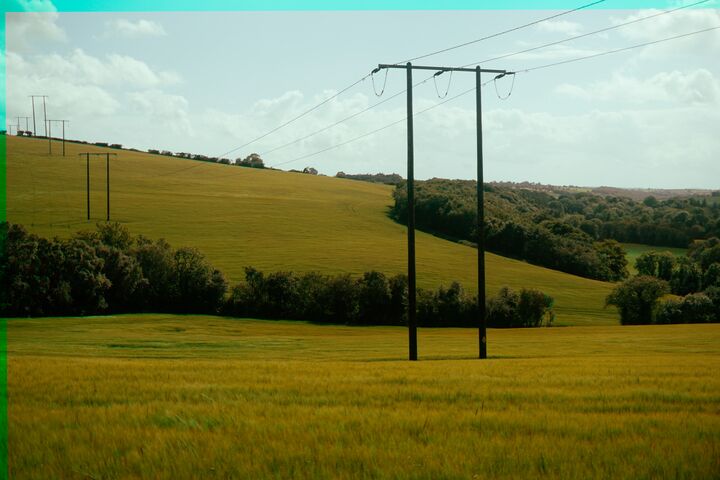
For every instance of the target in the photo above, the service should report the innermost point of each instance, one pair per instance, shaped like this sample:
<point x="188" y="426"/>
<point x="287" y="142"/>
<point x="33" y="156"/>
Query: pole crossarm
<point x="443" y="69"/>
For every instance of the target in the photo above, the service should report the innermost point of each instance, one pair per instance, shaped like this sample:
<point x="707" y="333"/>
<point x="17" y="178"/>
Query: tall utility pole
<point x="63" y="132"/>
<point x="107" y="179"/>
<point x="412" y="324"/>
<point x="33" y="97"/>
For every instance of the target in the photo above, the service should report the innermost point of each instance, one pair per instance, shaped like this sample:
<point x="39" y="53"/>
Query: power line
<point x="282" y="125"/>
<point x="315" y="107"/>
<point x="489" y="81"/>
<point x="624" y="49"/>
<point x="514" y="29"/>
<point x="420" y="112"/>
<point x="595" y="32"/>
<point x="305" y="137"/>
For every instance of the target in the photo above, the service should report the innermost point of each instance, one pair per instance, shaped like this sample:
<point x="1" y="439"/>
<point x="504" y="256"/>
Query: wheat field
<point x="182" y="397"/>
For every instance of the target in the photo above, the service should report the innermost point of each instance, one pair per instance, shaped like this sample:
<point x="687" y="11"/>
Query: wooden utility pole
<point x="107" y="180"/>
<point x="412" y="324"/>
<point x="63" y="133"/>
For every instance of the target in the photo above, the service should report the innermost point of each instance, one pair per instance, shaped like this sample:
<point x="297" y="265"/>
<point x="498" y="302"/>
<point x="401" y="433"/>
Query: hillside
<point x="271" y="220"/>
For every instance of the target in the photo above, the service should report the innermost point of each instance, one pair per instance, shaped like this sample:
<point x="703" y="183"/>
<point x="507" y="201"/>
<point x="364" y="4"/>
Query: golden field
<point x="181" y="397"/>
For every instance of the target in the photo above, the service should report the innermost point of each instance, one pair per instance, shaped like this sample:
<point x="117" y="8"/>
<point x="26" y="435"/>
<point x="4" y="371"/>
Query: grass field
<point x="634" y="250"/>
<point x="268" y="219"/>
<point x="182" y="397"/>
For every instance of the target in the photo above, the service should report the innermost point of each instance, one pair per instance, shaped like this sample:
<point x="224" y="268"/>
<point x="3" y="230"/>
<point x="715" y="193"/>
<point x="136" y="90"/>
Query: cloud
<point x="112" y="71"/>
<point x="155" y="106"/>
<point x="25" y="30"/>
<point x="128" y="29"/>
<point x="676" y="23"/>
<point x="560" y="26"/>
<point x="699" y="87"/>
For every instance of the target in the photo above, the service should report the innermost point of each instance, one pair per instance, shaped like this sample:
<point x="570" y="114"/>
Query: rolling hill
<point x="271" y="220"/>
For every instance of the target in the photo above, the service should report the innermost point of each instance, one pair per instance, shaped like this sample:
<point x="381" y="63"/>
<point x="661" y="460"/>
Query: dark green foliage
<point x="528" y="308"/>
<point x="372" y="299"/>
<point x="104" y="271"/>
<point x="558" y="231"/>
<point x="686" y="277"/>
<point x="711" y="277"/>
<point x="195" y="286"/>
<point x="705" y="252"/>
<point x="656" y="264"/>
<point x="693" y="308"/>
<point x="637" y="298"/>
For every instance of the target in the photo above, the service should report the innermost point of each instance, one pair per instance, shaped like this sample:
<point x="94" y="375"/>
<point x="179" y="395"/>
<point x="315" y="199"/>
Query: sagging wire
<point x="447" y="90"/>
<point x="372" y="76"/>
<point x="512" y="85"/>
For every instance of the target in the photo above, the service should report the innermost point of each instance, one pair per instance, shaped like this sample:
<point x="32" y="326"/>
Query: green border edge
<point x="229" y="5"/>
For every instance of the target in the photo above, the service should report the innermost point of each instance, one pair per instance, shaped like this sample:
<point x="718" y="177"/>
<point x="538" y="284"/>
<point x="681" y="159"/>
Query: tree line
<point x="570" y="232"/>
<point x="672" y="290"/>
<point x="108" y="270"/>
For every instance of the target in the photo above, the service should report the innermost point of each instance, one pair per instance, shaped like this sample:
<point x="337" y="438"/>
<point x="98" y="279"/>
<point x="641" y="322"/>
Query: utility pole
<point x="107" y="179"/>
<point x="33" y="97"/>
<point x="47" y="124"/>
<point x="412" y="326"/>
<point x="107" y="183"/>
<point x="26" y="122"/>
<point x="63" y="132"/>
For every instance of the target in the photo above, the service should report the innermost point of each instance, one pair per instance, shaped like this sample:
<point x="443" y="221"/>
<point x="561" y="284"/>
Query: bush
<point x="637" y="299"/>
<point x="104" y="271"/>
<point x="528" y="308"/>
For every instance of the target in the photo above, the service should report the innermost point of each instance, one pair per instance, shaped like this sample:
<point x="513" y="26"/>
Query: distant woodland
<point x="573" y="232"/>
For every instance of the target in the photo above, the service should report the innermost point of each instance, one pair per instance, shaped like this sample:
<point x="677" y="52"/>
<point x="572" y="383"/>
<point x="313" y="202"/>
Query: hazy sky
<point x="209" y="82"/>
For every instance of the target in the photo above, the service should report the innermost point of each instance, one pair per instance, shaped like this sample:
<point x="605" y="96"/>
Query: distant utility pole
<point x="33" y="97"/>
<point x="63" y="133"/>
<point x="107" y="179"/>
<point x="26" y="122"/>
<point x="412" y="322"/>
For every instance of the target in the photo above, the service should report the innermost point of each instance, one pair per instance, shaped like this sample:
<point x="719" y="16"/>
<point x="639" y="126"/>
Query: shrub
<point x="637" y="298"/>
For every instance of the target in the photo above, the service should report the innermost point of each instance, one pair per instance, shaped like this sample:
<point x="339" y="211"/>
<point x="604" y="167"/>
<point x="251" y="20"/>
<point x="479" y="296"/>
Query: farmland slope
<point x="271" y="220"/>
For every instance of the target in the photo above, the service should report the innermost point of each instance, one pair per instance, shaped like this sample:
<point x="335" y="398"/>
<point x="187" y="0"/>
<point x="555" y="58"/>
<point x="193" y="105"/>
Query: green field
<point x="634" y="250"/>
<point x="268" y="219"/>
<point x="181" y="397"/>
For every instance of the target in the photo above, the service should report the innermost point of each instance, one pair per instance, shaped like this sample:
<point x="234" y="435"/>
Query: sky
<point x="210" y="82"/>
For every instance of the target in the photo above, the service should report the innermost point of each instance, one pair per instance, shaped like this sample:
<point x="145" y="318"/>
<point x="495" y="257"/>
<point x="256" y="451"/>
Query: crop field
<point x="180" y="397"/>
<point x="634" y="250"/>
<point x="267" y="219"/>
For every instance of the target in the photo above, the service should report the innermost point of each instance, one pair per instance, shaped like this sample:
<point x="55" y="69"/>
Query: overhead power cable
<point x="624" y="49"/>
<point x="297" y="117"/>
<point x="510" y="30"/>
<point x="420" y="112"/>
<point x="315" y="107"/>
<point x="493" y="80"/>
<point x="576" y="37"/>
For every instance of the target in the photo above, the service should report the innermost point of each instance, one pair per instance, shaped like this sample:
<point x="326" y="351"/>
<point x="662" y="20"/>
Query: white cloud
<point x="554" y="52"/>
<point x="560" y="26"/>
<point x="155" y="106"/>
<point x="128" y="29"/>
<point x="25" y="30"/>
<point x="112" y="71"/>
<point x="697" y="87"/>
<point x="670" y="25"/>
